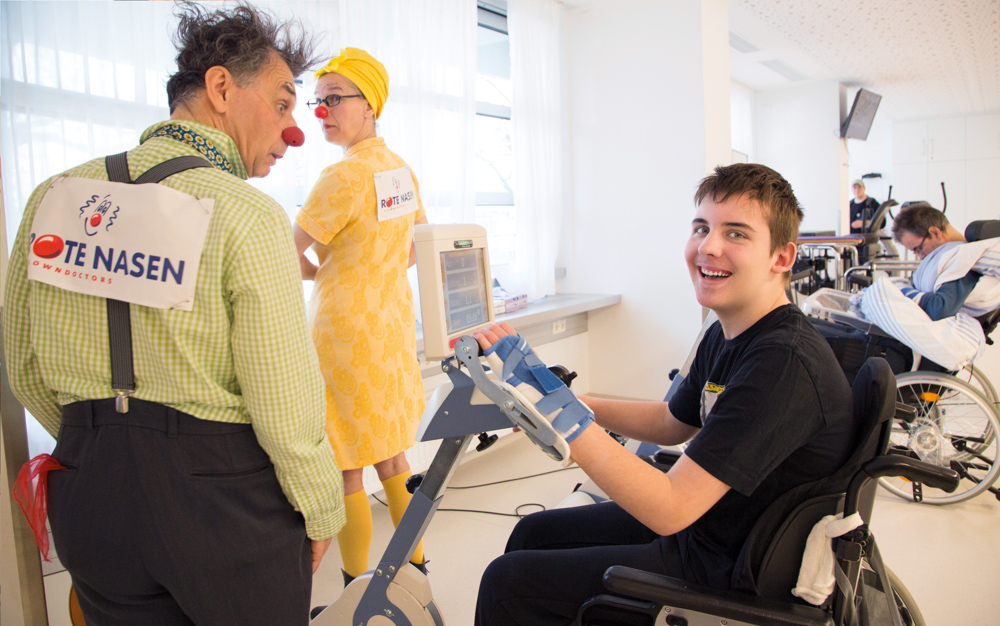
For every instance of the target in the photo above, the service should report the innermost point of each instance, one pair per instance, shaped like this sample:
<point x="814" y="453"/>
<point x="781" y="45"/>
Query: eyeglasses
<point x="919" y="249"/>
<point x="330" y="101"/>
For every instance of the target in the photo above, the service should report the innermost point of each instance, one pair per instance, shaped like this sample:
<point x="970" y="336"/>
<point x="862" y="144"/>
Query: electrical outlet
<point x="558" y="326"/>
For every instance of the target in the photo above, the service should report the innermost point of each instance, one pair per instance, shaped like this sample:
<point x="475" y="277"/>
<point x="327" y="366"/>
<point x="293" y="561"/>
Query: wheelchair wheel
<point x="977" y="379"/>
<point x="908" y="610"/>
<point x="955" y="426"/>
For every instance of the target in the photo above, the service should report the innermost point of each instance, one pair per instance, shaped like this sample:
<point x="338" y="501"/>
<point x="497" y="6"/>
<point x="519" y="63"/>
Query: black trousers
<point x="162" y="518"/>
<point x="555" y="561"/>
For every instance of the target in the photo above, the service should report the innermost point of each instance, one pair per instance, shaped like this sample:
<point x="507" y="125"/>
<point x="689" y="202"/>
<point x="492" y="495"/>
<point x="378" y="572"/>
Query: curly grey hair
<point x="240" y="39"/>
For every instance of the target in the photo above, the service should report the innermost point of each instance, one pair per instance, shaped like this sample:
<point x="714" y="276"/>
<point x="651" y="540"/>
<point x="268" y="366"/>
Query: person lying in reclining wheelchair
<point x="956" y="282"/>
<point x="765" y="408"/>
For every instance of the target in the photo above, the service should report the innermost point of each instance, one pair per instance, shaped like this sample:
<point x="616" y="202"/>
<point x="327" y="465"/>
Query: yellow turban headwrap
<point x="363" y="70"/>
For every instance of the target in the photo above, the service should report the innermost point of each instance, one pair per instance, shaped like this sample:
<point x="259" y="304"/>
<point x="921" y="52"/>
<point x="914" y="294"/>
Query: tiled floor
<point x="948" y="557"/>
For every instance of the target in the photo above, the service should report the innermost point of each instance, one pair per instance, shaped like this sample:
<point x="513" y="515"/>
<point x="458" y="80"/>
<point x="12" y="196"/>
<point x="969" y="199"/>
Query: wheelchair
<point x="866" y="593"/>
<point x="832" y="261"/>
<point x="958" y="413"/>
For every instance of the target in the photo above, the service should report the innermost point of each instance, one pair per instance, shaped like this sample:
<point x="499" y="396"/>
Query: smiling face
<point x="352" y="120"/>
<point x="261" y="111"/>
<point x="732" y="267"/>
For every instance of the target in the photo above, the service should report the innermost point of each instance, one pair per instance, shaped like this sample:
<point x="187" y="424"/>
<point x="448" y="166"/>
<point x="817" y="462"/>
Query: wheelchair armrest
<point x="665" y="459"/>
<point x="943" y="478"/>
<point x="905" y="413"/>
<point x="730" y="605"/>
<point x="891" y="464"/>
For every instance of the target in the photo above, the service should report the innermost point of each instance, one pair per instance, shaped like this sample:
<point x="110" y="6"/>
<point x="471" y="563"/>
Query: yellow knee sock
<point x="355" y="538"/>
<point x="399" y="498"/>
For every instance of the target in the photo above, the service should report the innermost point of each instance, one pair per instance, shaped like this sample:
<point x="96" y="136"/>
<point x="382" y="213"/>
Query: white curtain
<point x="291" y="178"/>
<point x="70" y="92"/>
<point x="541" y="133"/>
<point x="84" y="79"/>
<point x="429" y="50"/>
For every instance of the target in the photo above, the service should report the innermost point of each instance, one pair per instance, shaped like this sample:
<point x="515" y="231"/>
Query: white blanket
<point x="952" y="342"/>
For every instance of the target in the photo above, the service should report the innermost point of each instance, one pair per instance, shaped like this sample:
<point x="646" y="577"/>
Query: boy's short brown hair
<point x="763" y="185"/>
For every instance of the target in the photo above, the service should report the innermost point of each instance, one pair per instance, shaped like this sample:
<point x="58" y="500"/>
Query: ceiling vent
<point x="784" y="69"/>
<point x="740" y="44"/>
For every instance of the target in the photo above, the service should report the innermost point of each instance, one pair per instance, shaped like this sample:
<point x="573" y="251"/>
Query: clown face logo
<point x="94" y="216"/>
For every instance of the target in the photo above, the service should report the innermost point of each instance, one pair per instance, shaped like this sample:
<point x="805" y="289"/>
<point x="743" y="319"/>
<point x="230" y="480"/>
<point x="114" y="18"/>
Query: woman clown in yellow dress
<point x="361" y="308"/>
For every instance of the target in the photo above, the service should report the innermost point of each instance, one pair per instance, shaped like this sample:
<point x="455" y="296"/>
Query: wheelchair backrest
<point x="982" y="229"/>
<point x="769" y="563"/>
<point x="977" y="231"/>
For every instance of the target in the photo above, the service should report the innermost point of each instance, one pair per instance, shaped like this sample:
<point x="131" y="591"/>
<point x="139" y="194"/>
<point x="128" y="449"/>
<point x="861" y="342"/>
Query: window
<point x="494" y="166"/>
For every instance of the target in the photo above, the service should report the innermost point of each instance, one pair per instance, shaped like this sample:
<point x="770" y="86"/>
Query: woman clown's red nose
<point x="321" y="112"/>
<point x="293" y="136"/>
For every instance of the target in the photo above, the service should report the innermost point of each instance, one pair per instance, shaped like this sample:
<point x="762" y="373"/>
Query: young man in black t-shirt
<point x="863" y="209"/>
<point x="765" y="407"/>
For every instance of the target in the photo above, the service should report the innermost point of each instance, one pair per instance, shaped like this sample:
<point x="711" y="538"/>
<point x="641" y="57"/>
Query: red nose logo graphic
<point x="47" y="246"/>
<point x="95" y="219"/>
<point x="388" y="202"/>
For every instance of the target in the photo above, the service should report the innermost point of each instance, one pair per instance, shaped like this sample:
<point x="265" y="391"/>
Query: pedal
<point x="485" y="441"/>
<point x="413" y="483"/>
<point x="563" y="374"/>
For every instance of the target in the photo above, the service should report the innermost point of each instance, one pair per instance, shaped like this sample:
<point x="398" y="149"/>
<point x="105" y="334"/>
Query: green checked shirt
<point x="243" y="354"/>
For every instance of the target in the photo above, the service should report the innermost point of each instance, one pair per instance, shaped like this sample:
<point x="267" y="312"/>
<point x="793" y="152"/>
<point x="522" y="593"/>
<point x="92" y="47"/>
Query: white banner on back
<point x="395" y="193"/>
<point x="137" y="243"/>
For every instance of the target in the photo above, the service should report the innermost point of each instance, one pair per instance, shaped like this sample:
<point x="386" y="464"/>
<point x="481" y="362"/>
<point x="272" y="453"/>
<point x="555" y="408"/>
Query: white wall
<point x="639" y="147"/>
<point x="798" y="134"/>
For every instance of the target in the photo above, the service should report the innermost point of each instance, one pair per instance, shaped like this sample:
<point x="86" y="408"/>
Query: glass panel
<point x="501" y="224"/>
<point x="494" y="158"/>
<point x="493" y="71"/>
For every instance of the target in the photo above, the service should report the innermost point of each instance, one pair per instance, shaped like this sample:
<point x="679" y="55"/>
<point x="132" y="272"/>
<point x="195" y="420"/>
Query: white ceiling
<point x="926" y="58"/>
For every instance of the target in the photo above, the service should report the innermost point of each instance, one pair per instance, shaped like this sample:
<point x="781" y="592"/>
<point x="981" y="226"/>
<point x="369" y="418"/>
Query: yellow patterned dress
<point x="361" y="309"/>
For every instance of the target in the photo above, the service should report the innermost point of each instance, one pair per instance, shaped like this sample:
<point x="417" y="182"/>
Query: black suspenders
<point x="119" y="316"/>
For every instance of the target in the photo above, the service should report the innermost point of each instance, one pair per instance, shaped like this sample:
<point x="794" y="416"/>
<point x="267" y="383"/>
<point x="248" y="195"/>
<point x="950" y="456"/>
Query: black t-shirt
<point x="775" y="412"/>
<point x="859" y="210"/>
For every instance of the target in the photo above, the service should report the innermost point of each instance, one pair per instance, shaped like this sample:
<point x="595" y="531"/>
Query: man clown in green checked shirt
<point x="213" y="497"/>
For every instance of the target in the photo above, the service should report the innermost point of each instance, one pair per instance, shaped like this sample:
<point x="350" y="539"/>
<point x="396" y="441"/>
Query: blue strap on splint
<point x="522" y="365"/>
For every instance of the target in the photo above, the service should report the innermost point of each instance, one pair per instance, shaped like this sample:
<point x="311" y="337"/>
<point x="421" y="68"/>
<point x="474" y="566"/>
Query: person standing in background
<point x="359" y="220"/>
<point x="863" y="208"/>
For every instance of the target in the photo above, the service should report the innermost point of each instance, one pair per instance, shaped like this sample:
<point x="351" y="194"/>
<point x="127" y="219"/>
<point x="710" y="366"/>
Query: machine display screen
<point x="464" y="283"/>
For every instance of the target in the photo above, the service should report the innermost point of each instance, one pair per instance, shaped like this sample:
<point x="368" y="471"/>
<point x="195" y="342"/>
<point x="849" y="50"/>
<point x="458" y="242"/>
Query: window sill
<point x="549" y="319"/>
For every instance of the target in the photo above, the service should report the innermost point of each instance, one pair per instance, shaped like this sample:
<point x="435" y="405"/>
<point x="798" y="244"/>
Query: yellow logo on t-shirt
<point x="713" y="388"/>
<point x="709" y="395"/>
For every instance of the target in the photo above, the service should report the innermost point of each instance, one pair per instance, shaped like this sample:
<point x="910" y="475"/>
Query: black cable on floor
<point x="517" y="511"/>
<point x="510" y="480"/>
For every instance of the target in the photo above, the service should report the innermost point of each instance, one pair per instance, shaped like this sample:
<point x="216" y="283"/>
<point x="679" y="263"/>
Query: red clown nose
<point x="321" y="112"/>
<point x="293" y="136"/>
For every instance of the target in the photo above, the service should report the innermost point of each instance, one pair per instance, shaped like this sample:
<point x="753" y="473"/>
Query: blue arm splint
<point x="521" y="366"/>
